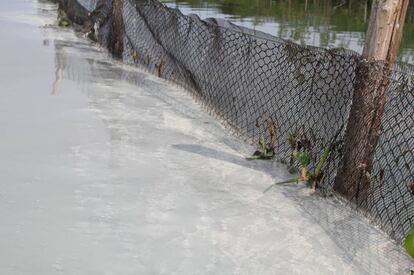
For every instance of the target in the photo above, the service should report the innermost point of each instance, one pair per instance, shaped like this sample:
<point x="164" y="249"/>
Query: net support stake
<point x="373" y="74"/>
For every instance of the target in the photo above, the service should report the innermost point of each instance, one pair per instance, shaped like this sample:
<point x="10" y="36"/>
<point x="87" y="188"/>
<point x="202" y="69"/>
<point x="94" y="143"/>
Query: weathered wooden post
<point x="118" y="46"/>
<point x="363" y="130"/>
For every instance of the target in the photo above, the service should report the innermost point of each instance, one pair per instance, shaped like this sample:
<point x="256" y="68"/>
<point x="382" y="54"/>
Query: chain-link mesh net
<point x="262" y="86"/>
<point x="391" y="194"/>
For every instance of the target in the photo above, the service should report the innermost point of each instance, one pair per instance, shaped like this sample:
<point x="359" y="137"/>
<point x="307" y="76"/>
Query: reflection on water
<point x="322" y="23"/>
<point x="59" y="64"/>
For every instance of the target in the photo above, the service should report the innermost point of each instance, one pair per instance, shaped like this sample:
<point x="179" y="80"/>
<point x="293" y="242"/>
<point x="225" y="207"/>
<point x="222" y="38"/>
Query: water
<point x="108" y="170"/>
<point x="321" y="23"/>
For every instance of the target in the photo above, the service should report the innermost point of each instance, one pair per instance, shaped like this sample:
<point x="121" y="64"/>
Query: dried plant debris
<point x="298" y="142"/>
<point x="412" y="188"/>
<point x="266" y="150"/>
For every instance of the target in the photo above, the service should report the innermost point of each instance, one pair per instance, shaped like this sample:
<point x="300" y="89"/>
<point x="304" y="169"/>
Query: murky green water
<point x="322" y="23"/>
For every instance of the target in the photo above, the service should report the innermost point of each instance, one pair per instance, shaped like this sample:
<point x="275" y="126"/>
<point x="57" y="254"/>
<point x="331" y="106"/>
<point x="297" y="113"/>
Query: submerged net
<point x="263" y="86"/>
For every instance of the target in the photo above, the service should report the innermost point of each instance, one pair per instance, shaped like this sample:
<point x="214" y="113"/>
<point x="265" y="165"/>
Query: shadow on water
<point x="362" y="244"/>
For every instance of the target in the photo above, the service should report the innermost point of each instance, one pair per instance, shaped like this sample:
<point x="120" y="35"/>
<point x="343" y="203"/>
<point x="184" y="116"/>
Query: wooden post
<point x="118" y="43"/>
<point x="372" y="79"/>
<point x="385" y="30"/>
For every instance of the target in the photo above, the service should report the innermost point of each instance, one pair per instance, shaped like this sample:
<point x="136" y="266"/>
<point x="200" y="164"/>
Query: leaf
<point x="303" y="158"/>
<point x="63" y="22"/>
<point x="254" y="158"/>
<point x="262" y="156"/>
<point x="409" y="243"/>
<point x="322" y="161"/>
<point x="293" y="180"/>
<point x="264" y="152"/>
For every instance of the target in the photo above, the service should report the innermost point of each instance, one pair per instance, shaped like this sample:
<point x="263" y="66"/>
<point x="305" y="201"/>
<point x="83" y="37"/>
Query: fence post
<point x="118" y="35"/>
<point x="363" y="130"/>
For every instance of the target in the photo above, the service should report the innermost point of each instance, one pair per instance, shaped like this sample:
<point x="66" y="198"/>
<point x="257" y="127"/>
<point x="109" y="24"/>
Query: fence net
<point x="263" y="86"/>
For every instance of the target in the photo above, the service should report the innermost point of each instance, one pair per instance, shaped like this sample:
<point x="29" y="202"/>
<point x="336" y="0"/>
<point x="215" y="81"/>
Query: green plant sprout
<point x="409" y="243"/>
<point x="305" y="176"/>
<point x="304" y="158"/>
<point x="301" y="152"/>
<point x="63" y="20"/>
<point x="264" y="152"/>
<point x="318" y="174"/>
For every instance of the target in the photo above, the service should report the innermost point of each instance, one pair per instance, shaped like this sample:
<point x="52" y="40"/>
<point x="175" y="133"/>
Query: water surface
<point x="322" y="23"/>
<point x="105" y="169"/>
